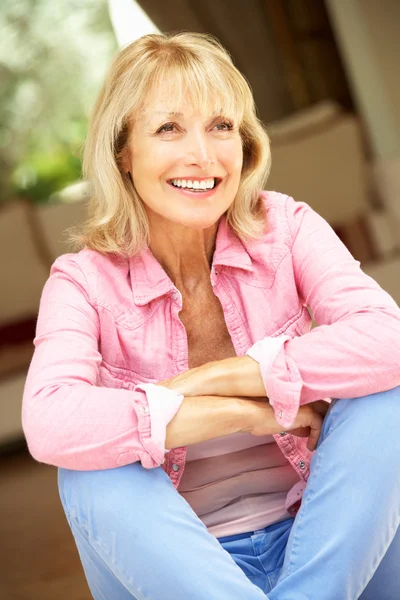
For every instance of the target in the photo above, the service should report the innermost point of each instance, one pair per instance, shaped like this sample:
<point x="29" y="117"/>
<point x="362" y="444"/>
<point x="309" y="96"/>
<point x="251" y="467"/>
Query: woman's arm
<point x="237" y="376"/>
<point x="355" y="350"/>
<point x="207" y="417"/>
<point x="70" y="420"/>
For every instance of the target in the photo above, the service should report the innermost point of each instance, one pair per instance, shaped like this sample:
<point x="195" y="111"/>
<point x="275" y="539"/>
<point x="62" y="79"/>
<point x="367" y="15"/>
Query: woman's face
<point x="185" y="166"/>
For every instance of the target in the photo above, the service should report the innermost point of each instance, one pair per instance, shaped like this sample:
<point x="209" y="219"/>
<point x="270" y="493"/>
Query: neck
<point x="185" y="254"/>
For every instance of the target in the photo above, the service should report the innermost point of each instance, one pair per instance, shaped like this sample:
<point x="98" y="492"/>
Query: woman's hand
<point x="308" y="423"/>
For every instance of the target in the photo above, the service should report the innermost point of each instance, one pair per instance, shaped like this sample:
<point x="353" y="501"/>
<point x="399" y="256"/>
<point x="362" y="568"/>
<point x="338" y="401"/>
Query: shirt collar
<point x="149" y="280"/>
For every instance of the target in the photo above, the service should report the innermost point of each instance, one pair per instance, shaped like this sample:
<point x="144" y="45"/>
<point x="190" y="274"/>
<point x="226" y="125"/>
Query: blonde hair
<point x="195" y="65"/>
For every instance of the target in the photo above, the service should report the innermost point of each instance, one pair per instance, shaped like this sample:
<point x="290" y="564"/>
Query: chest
<point x="151" y="341"/>
<point x="206" y="331"/>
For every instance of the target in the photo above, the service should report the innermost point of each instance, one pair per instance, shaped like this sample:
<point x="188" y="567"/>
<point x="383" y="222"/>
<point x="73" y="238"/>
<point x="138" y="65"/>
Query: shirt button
<point x="302" y="464"/>
<point x="282" y="433"/>
<point x="280" y="414"/>
<point x="175" y="467"/>
<point x="175" y="296"/>
<point x="145" y="409"/>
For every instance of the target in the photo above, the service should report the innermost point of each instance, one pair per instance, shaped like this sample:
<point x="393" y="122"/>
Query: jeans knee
<point x="372" y="422"/>
<point x="75" y="489"/>
<point x="94" y="495"/>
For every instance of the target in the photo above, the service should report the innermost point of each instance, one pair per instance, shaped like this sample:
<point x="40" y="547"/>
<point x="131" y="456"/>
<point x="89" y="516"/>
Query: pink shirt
<point x="108" y="326"/>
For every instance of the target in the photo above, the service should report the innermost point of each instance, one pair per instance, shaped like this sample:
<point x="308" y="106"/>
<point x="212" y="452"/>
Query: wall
<point x="382" y="18"/>
<point x="367" y="35"/>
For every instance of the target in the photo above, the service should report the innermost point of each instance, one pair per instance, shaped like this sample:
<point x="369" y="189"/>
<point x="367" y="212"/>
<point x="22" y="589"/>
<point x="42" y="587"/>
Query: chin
<point x="198" y="224"/>
<point x="204" y="218"/>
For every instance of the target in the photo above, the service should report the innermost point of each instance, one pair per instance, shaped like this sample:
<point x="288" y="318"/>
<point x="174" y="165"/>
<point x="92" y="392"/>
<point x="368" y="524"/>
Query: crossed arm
<point x="228" y="396"/>
<point x="237" y="376"/>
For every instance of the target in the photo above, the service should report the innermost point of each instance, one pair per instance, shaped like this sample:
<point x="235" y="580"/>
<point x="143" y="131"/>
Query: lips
<point x="195" y="185"/>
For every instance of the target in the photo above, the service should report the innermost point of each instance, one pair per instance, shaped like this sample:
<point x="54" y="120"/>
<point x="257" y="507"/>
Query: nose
<point x="199" y="151"/>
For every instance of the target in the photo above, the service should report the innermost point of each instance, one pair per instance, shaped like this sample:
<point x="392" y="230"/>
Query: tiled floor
<point x="38" y="558"/>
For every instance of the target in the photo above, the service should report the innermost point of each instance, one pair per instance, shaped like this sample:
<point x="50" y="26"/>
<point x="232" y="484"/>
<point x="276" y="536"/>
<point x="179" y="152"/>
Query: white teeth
<point x="205" y="184"/>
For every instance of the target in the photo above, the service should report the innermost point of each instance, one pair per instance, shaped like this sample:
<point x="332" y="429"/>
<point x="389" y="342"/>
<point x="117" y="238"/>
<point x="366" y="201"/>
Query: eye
<point x="167" y="128"/>
<point x="224" y="125"/>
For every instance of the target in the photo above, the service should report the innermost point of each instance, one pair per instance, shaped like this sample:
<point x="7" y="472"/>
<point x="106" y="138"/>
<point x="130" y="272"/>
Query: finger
<point x="321" y="407"/>
<point x="315" y="431"/>
<point x="312" y="440"/>
<point x="300" y="431"/>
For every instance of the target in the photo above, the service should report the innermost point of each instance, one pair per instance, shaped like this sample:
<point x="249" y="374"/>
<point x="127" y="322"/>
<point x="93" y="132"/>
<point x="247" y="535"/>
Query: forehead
<point x="176" y="98"/>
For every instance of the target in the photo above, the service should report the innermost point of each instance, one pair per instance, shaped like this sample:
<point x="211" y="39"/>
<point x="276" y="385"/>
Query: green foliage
<point x="42" y="174"/>
<point x="52" y="60"/>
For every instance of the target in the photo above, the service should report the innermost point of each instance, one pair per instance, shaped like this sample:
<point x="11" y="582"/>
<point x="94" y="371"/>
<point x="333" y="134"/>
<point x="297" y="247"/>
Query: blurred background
<point x="325" y="79"/>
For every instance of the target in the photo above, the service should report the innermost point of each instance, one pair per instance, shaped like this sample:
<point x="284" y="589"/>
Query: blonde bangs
<point x="200" y="84"/>
<point x="185" y="68"/>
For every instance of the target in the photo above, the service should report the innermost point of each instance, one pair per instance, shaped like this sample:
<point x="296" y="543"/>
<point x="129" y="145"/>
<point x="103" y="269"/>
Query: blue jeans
<point x="139" y="539"/>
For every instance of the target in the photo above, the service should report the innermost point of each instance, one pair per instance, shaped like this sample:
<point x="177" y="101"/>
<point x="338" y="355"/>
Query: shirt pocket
<point x="135" y="345"/>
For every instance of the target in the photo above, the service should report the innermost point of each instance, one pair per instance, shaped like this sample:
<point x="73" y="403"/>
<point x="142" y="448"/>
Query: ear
<point x="125" y="161"/>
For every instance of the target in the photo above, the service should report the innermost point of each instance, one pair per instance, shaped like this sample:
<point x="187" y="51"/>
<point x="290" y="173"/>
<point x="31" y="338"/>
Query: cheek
<point x="149" y="161"/>
<point x="143" y="167"/>
<point x="233" y="157"/>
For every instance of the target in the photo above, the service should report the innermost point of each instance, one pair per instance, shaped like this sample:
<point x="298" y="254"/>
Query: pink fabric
<point x="226" y="445"/>
<point x="107" y="324"/>
<point x="266" y="350"/>
<point x="237" y="483"/>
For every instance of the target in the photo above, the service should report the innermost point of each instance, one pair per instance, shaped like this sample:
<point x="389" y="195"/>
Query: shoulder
<point x="282" y="207"/>
<point x="91" y="269"/>
<point x="87" y="262"/>
<point x="289" y="224"/>
<point x="285" y="216"/>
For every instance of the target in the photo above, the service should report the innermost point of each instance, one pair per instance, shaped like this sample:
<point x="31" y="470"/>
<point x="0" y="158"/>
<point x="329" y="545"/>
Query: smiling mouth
<point x="194" y="185"/>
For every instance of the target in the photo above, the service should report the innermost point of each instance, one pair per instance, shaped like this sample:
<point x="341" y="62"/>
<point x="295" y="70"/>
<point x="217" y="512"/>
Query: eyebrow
<point x="169" y="114"/>
<point x="165" y="113"/>
<point x="177" y="114"/>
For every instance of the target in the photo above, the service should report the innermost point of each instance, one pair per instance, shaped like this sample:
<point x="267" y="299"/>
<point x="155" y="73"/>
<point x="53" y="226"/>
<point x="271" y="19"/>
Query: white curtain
<point x="129" y="21"/>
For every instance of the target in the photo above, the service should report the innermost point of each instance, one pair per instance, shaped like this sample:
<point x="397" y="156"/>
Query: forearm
<point x="201" y="418"/>
<point x="238" y="376"/>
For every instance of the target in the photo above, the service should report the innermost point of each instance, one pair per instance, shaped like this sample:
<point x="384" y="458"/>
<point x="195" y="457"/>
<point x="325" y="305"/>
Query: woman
<point x="176" y="382"/>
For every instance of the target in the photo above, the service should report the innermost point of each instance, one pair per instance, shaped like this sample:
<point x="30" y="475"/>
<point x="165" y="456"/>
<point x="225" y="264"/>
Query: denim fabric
<point x="260" y="553"/>
<point x="138" y="538"/>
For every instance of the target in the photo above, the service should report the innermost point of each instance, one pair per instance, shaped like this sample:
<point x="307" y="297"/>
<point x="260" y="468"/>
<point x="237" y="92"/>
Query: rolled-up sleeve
<point x="69" y="420"/>
<point x="355" y="350"/>
<point x="158" y="406"/>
